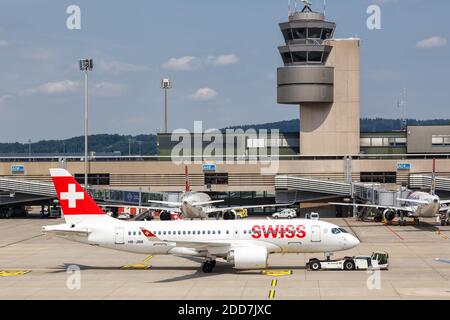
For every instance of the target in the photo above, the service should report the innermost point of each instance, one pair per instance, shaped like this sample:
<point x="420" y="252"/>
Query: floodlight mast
<point x="86" y="65"/>
<point x="166" y="84"/>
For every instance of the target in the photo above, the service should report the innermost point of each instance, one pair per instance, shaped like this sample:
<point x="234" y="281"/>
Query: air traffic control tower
<point x="321" y="74"/>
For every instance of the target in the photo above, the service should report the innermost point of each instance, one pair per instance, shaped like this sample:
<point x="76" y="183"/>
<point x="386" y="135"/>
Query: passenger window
<point x="228" y="232"/>
<point x="204" y="232"/>
<point x="129" y="233"/>
<point x="164" y="233"/>
<point x="218" y="232"/>
<point x="209" y="232"/>
<point x="134" y="233"/>
<point x="184" y="232"/>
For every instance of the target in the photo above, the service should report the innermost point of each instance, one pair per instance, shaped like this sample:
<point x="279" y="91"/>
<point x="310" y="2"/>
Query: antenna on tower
<point x="402" y="103"/>
<point x="324" y="7"/>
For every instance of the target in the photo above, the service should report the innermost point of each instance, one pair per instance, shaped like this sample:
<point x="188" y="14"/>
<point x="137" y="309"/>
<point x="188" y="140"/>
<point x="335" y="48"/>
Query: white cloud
<point x="39" y="55"/>
<point x="186" y="63"/>
<point x="50" y="88"/>
<point x="5" y="98"/>
<point x="224" y="60"/>
<point x="117" y="67"/>
<point x="4" y="43"/>
<point x="432" y="42"/>
<point x="109" y="89"/>
<point x="204" y="94"/>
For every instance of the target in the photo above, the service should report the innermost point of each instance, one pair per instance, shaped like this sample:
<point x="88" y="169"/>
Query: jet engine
<point x="248" y="258"/>
<point x="229" y="215"/>
<point x="389" y="214"/>
<point x="165" y="216"/>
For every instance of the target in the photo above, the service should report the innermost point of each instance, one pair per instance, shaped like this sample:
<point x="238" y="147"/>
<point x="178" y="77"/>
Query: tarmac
<point x="36" y="266"/>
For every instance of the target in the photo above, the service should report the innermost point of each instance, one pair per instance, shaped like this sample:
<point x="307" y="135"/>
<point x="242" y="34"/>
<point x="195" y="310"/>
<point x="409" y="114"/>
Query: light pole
<point x="140" y="147"/>
<point x="86" y="65"/>
<point x="129" y="147"/>
<point x="166" y="84"/>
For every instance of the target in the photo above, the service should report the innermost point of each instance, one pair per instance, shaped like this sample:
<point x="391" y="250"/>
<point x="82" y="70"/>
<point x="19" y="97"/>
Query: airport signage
<point x="404" y="166"/>
<point x="131" y="197"/>
<point x="209" y="167"/>
<point x="18" y="169"/>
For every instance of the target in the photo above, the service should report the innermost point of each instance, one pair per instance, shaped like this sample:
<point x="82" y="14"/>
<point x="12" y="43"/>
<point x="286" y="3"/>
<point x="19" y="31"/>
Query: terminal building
<point x="320" y="75"/>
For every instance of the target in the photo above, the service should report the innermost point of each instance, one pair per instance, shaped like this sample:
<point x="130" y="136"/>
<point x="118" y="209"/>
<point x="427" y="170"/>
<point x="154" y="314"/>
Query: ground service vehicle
<point x="378" y="260"/>
<point x="285" y="214"/>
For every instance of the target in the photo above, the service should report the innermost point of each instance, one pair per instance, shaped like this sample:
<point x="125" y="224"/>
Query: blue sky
<point x="221" y="55"/>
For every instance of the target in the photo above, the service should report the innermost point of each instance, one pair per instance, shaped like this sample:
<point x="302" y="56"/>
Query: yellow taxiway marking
<point x="272" y="294"/>
<point x="13" y="273"/>
<point x="136" y="267"/>
<point x="148" y="259"/>
<point x="277" y="273"/>
<point x="140" y="266"/>
<point x="274" y="282"/>
<point x="443" y="236"/>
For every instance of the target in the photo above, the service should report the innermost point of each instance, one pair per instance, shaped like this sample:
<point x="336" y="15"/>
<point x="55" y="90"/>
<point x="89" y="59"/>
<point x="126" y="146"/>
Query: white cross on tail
<point x="72" y="196"/>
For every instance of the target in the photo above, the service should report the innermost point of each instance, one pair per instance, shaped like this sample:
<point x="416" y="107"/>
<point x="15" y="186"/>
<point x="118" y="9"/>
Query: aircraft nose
<point x="353" y="241"/>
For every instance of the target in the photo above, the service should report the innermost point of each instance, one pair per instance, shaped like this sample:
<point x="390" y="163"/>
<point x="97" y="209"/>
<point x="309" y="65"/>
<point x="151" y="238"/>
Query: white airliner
<point x="199" y="205"/>
<point x="420" y="205"/>
<point x="245" y="243"/>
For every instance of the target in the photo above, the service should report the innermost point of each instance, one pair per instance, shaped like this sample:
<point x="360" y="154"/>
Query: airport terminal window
<point x="299" y="33"/>
<point x="379" y="177"/>
<point x="366" y="142"/>
<point x="287" y="58"/>
<point x="326" y="34"/>
<point x="315" y="56"/>
<point x="314" y="33"/>
<point x="216" y="178"/>
<point x="287" y="33"/>
<point x="299" y="56"/>
<point x="441" y="140"/>
<point x="94" y="179"/>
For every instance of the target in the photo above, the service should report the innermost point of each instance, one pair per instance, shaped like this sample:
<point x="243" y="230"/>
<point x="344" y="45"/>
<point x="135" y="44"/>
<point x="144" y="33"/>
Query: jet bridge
<point x="23" y="192"/>
<point x="292" y="189"/>
<point x="423" y="182"/>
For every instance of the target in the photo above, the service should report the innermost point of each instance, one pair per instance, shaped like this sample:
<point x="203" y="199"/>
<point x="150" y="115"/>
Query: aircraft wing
<point x="407" y="209"/>
<point x="413" y="201"/>
<point x="187" y="244"/>
<point x="211" y="210"/>
<point x="167" y="203"/>
<point x="445" y="202"/>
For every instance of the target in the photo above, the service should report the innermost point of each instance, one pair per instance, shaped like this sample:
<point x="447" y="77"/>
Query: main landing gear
<point x="208" y="266"/>
<point x="445" y="221"/>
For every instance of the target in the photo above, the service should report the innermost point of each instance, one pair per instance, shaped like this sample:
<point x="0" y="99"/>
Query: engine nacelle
<point x="389" y="214"/>
<point x="248" y="258"/>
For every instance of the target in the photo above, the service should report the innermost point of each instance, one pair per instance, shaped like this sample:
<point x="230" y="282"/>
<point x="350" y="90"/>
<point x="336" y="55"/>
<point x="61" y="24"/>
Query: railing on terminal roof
<point x="61" y="159"/>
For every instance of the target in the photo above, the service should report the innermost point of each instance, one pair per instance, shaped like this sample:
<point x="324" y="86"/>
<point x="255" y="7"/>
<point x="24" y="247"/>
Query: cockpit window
<point x="343" y="230"/>
<point x="335" y="231"/>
